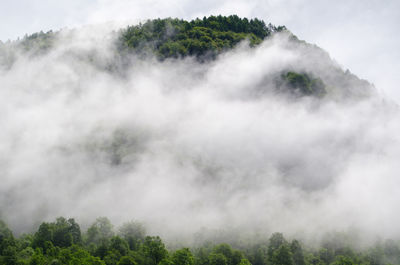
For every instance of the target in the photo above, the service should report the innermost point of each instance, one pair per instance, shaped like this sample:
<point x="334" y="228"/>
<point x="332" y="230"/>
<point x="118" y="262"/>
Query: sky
<point x="360" y="35"/>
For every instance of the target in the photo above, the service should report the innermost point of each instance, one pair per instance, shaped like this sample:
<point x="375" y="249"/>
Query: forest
<point x="202" y="38"/>
<point x="174" y="39"/>
<point x="62" y="242"/>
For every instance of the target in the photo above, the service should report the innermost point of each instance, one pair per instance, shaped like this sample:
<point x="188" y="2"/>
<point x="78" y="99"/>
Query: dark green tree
<point x="244" y="262"/>
<point x="275" y="242"/>
<point x="45" y="233"/>
<point x="282" y="256"/>
<point x="119" y="245"/>
<point x="9" y="256"/>
<point x="6" y="237"/>
<point x="126" y="260"/>
<point x="183" y="257"/>
<point x="217" y="259"/>
<point x="297" y="251"/>
<point x="342" y="260"/>
<point x="154" y="248"/>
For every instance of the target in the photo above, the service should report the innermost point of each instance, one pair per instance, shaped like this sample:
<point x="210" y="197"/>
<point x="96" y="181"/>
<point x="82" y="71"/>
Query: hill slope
<point x="205" y="39"/>
<point x="222" y="122"/>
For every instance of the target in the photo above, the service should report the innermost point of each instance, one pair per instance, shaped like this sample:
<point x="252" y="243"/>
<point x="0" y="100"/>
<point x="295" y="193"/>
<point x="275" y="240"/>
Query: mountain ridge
<point x="204" y="39"/>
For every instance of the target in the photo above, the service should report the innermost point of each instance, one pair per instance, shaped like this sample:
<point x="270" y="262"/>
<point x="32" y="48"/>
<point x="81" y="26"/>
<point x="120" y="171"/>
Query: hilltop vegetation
<point x="205" y="37"/>
<point x="61" y="242"/>
<point x="173" y="38"/>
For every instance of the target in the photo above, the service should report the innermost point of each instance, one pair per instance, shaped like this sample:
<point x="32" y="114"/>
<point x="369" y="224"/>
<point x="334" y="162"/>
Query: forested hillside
<point x="203" y="39"/>
<point x="62" y="242"/>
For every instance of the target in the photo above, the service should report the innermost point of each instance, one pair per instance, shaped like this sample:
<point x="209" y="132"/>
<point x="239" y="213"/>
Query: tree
<point x="275" y="242"/>
<point x="126" y="260"/>
<point x="6" y="237"/>
<point x="244" y="262"/>
<point x="134" y="233"/>
<point x="183" y="257"/>
<point x="37" y="258"/>
<point x="45" y="233"/>
<point x="167" y="261"/>
<point x="62" y="233"/>
<point x="100" y="231"/>
<point x="227" y="251"/>
<point x="154" y="248"/>
<point x="297" y="251"/>
<point x="342" y="260"/>
<point x="282" y="256"/>
<point x="217" y="259"/>
<point x="259" y="255"/>
<point x="305" y="84"/>
<point x="119" y="245"/>
<point x="9" y="256"/>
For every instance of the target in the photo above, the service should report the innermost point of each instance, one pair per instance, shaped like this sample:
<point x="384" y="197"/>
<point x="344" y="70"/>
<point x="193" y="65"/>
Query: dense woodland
<point x="62" y="242"/>
<point x="171" y="38"/>
<point x="203" y="38"/>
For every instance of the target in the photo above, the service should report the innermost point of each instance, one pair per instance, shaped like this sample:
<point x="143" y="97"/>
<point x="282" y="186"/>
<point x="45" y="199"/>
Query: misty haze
<point x="242" y="137"/>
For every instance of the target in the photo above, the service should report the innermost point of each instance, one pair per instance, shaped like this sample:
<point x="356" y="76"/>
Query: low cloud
<point x="181" y="145"/>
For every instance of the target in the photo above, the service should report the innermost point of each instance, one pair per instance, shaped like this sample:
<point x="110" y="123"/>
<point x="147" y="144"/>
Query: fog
<point x="184" y="146"/>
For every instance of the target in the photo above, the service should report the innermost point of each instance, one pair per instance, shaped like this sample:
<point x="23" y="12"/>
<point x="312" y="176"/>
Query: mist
<point x="183" y="146"/>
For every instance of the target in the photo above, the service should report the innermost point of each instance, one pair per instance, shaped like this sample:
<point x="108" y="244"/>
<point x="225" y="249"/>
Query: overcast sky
<point x="360" y="35"/>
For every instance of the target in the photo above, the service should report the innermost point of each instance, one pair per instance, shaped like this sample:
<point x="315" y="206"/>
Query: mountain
<point x="205" y="39"/>
<point x="221" y="130"/>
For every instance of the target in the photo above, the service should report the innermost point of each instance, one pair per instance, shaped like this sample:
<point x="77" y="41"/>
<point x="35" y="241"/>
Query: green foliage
<point x="244" y="262"/>
<point x="304" y="84"/>
<point x="297" y="252"/>
<point x="6" y="237"/>
<point x="282" y="256"/>
<point x="37" y="258"/>
<point x="275" y="242"/>
<point x="100" y="231"/>
<point x="62" y="233"/>
<point x="38" y="43"/>
<point x="126" y="260"/>
<point x="341" y="260"/>
<point x="203" y="38"/>
<point x="183" y="257"/>
<point x="119" y="245"/>
<point x="167" y="261"/>
<point x="154" y="249"/>
<point x="9" y="256"/>
<point x="44" y="248"/>
<point x="233" y="257"/>
<point x="134" y="233"/>
<point x="218" y="259"/>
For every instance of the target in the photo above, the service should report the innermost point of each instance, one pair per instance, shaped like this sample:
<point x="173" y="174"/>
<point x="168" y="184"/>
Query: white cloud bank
<point x="181" y="145"/>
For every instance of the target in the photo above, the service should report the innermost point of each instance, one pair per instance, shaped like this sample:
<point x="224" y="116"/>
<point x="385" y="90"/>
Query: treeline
<point x="203" y="38"/>
<point x="62" y="242"/>
<point x="170" y="37"/>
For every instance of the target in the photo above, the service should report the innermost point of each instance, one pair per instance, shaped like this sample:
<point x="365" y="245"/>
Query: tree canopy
<point x="61" y="242"/>
<point x="203" y="38"/>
